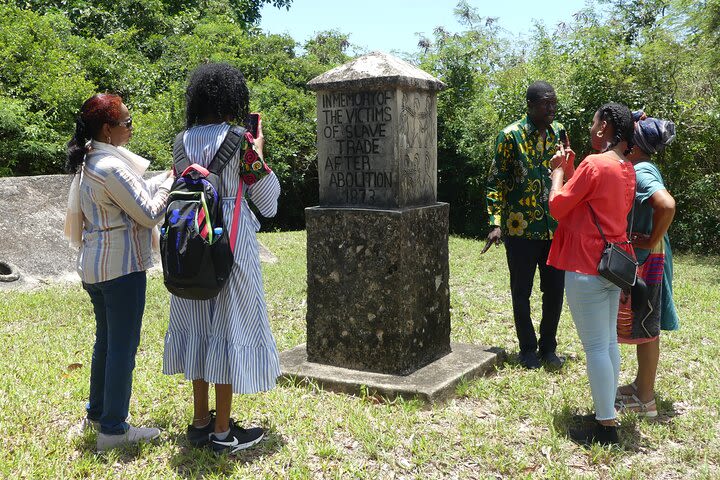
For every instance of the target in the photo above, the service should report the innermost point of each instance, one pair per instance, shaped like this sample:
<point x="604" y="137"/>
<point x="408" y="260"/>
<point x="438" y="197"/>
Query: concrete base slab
<point x="435" y="382"/>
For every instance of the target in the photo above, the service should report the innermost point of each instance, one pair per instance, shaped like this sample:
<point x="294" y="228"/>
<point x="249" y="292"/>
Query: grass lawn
<point x="508" y="425"/>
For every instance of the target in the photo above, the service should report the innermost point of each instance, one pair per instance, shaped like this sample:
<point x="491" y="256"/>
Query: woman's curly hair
<point x="216" y="90"/>
<point x="620" y="117"/>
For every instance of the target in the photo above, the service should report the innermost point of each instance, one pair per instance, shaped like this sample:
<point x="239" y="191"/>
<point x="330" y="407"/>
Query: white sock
<point x="223" y="435"/>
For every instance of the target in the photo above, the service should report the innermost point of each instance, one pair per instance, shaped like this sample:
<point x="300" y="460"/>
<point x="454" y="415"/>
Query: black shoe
<point x="583" y="420"/>
<point x="238" y="439"/>
<point x="199" y="437"/>
<point x="552" y="362"/>
<point x="529" y="360"/>
<point x="597" y="433"/>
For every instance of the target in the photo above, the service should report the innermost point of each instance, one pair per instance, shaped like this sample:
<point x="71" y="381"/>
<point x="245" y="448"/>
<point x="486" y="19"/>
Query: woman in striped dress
<point x="225" y="340"/>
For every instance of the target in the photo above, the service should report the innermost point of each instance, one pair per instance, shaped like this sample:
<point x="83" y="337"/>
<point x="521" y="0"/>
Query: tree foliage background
<point x="659" y="55"/>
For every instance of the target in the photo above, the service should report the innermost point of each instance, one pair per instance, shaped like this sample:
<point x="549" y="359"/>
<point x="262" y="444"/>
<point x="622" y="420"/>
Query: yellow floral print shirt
<point x="519" y="183"/>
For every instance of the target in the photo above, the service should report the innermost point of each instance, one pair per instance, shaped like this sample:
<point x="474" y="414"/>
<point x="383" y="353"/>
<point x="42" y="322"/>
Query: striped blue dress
<point x="227" y="339"/>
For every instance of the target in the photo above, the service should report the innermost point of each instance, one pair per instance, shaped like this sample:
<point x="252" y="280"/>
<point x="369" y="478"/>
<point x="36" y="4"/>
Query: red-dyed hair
<point x="99" y="109"/>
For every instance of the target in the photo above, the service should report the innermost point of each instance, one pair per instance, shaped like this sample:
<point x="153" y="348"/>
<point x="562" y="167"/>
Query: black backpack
<point x="195" y="246"/>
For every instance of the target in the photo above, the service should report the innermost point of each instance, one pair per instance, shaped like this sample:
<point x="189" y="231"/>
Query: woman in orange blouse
<point x="602" y="187"/>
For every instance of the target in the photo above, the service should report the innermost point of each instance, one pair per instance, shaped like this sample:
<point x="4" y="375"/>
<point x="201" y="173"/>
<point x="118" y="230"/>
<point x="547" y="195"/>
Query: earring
<point x="109" y="140"/>
<point x="599" y="134"/>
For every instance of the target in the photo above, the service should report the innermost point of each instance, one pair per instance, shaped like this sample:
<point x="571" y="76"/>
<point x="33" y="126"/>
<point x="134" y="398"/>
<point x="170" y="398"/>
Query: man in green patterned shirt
<point x="518" y="187"/>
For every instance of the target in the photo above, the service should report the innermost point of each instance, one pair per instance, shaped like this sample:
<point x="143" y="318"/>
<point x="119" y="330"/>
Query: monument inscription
<point x="356" y="136"/>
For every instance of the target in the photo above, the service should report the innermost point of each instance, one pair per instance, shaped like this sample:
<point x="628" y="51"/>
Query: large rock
<point x="31" y="229"/>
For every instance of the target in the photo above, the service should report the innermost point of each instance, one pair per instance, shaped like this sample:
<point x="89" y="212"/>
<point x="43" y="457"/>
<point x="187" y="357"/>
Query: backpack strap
<point x="180" y="159"/>
<point x="231" y="144"/>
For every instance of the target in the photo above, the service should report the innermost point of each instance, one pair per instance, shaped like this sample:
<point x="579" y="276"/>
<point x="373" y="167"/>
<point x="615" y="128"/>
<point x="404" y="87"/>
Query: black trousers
<point x="523" y="257"/>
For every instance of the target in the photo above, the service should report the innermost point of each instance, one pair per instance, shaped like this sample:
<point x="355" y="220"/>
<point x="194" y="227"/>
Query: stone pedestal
<point x="377" y="246"/>
<point x="378" y="293"/>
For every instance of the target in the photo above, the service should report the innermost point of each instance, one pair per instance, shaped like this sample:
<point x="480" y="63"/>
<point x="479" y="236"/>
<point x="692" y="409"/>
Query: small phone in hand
<point x="564" y="139"/>
<point x="253" y="120"/>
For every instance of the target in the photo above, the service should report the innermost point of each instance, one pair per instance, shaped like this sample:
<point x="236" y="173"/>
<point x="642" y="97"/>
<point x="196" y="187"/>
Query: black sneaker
<point x="238" y="439"/>
<point x="529" y="360"/>
<point x="579" y="420"/>
<point x="552" y="362"/>
<point x="199" y="437"/>
<point x="598" y="433"/>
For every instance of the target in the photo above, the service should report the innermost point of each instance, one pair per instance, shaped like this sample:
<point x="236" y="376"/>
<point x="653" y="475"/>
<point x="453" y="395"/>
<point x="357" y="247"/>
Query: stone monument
<point x="377" y="245"/>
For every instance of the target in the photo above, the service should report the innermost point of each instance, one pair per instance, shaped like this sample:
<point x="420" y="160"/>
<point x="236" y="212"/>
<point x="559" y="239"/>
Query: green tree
<point x="466" y="119"/>
<point x="42" y="84"/>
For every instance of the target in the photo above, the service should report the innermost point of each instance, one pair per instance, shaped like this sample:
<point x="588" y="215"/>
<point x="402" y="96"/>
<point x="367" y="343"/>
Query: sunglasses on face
<point x="127" y="123"/>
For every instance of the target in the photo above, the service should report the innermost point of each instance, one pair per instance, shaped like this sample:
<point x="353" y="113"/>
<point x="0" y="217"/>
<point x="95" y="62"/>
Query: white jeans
<point x="593" y="303"/>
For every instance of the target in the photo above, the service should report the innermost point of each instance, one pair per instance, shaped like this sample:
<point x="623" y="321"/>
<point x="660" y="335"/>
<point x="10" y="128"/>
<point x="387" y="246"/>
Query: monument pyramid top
<point x="375" y="70"/>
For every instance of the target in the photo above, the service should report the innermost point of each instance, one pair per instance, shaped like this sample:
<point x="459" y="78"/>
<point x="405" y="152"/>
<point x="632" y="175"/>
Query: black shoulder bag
<point x="616" y="264"/>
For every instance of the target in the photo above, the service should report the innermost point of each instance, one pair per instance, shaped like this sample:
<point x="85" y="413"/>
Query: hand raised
<point x="558" y="160"/>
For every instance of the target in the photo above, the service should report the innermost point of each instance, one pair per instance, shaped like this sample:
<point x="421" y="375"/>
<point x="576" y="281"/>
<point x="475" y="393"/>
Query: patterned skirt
<point x="643" y="325"/>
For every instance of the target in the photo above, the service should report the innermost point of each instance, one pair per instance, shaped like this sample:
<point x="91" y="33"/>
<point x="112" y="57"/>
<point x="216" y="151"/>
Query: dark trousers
<point x="523" y="257"/>
<point x="118" y="304"/>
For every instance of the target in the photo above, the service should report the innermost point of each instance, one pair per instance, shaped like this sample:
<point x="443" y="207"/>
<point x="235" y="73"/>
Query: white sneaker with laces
<point x="81" y="427"/>
<point x="133" y="435"/>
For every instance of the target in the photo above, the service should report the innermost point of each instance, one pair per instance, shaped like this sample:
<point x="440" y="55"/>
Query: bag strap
<point x="236" y="216"/>
<point x="632" y="218"/>
<point x="180" y="159"/>
<point x="228" y="148"/>
<point x="597" y="224"/>
<point x="231" y="144"/>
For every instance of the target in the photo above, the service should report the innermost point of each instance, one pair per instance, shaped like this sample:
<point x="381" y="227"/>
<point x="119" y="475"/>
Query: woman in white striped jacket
<point x="111" y="214"/>
<point x="225" y="340"/>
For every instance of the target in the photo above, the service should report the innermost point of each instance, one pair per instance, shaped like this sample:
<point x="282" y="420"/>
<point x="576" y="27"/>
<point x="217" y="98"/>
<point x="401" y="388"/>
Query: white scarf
<point x="74" y="219"/>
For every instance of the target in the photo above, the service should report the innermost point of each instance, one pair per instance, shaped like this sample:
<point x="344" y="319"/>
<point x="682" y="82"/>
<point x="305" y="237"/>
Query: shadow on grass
<point x="127" y="453"/>
<point x="191" y="462"/>
<point x="188" y="462"/>
<point x="630" y="438"/>
<point x="512" y="360"/>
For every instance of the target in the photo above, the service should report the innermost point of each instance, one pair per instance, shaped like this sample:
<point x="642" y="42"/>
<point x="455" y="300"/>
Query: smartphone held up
<point x="564" y="139"/>
<point x="252" y="122"/>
